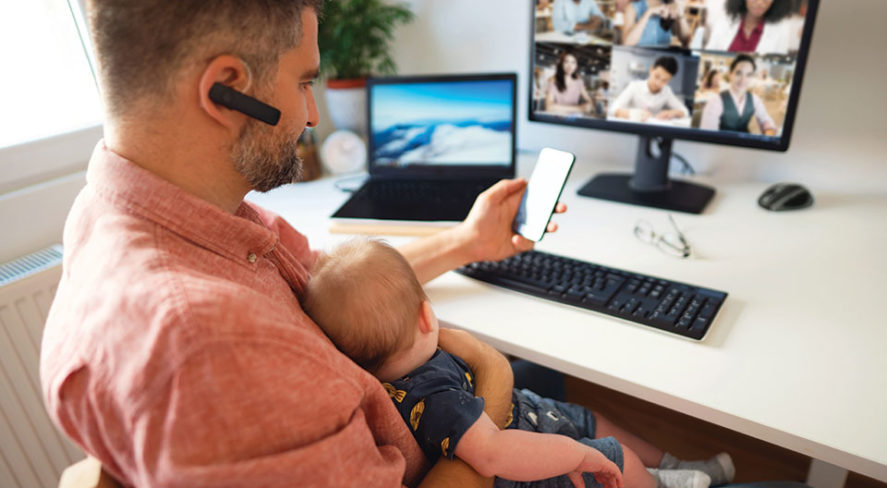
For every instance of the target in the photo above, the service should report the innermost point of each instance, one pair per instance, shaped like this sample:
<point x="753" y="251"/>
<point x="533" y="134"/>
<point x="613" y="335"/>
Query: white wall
<point x="840" y="127"/>
<point x="38" y="183"/>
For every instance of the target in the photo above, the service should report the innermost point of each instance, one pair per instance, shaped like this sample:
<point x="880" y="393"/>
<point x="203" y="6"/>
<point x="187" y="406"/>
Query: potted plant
<point x="354" y="40"/>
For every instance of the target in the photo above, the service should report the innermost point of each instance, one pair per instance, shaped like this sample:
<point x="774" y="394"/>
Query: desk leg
<point x="825" y="475"/>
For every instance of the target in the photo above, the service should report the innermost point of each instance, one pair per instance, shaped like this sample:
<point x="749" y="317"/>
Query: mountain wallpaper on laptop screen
<point x="442" y="123"/>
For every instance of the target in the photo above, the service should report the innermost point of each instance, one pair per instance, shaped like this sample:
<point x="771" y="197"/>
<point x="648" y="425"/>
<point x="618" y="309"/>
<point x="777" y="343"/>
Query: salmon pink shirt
<point x="176" y="351"/>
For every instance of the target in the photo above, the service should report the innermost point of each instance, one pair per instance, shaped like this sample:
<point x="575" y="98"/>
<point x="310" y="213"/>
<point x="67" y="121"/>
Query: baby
<point x="367" y="299"/>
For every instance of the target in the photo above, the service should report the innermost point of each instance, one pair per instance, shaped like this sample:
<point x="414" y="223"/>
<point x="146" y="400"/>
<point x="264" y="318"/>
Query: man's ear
<point x="427" y="319"/>
<point x="231" y="72"/>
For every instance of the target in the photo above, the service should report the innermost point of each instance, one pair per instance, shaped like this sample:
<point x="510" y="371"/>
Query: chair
<point x="87" y="474"/>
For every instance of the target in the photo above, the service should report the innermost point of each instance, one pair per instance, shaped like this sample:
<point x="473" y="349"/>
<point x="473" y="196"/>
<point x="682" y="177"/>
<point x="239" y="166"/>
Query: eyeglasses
<point x="672" y="243"/>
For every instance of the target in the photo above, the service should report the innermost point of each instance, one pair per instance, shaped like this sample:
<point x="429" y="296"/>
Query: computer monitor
<point x="718" y="71"/>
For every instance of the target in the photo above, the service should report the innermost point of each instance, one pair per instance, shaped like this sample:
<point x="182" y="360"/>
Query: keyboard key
<point x="596" y="298"/>
<point x="707" y="311"/>
<point x="659" y="319"/>
<point x="574" y="295"/>
<point x="557" y="290"/>
<point x="699" y="325"/>
<point x="630" y="305"/>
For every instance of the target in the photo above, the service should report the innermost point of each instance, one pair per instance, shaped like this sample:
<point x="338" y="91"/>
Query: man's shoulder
<point x="136" y="305"/>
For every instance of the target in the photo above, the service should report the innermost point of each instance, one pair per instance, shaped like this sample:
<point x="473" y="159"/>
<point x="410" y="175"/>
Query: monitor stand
<point x="650" y="186"/>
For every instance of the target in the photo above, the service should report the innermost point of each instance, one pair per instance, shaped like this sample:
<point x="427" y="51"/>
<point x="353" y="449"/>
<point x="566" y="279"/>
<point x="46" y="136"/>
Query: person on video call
<point x="710" y="86"/>
<point x="735" y="107"/>
<point x="569" y="16"/>
<point x="753" y="26"/>
<point x="566" y="92"/>
<point x="652" y="97"/>
<point x="653" y="23"/>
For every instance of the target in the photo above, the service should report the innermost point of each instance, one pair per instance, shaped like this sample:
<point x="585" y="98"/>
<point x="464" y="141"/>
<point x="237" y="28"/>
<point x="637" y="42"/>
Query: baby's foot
<point x="680" y="478"/>
<point x="720" y="468"/>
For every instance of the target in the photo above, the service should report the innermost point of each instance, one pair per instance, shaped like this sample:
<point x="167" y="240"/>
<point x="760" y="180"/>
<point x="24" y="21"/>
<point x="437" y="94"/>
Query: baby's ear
<point x="427" y="319"/>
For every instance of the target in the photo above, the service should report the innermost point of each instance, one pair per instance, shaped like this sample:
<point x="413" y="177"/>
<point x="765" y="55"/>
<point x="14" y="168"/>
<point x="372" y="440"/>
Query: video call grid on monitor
<point x="614" y="58"/>
<point x="453" y="121"/>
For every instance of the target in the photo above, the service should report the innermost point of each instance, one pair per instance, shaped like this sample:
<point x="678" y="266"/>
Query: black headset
<point x="245" y="104"/>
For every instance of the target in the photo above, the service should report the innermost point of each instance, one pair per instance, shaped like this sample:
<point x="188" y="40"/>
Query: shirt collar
<point x="240" y="236"/>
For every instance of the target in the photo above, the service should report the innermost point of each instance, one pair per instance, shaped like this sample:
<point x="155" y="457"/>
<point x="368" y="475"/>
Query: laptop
<point x="434" y="144"/>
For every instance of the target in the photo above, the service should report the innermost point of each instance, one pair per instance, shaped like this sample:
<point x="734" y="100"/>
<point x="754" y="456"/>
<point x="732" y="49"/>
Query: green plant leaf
<point x="354" y="37"/>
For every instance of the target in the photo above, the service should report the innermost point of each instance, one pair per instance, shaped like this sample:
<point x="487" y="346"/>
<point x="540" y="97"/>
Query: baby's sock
<point x="680" y="478"/>
<point x="720" y="468"/>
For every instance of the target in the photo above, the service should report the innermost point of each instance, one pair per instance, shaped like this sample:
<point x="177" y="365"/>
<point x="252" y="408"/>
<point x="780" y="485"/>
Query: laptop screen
<point x="442" y="122"/>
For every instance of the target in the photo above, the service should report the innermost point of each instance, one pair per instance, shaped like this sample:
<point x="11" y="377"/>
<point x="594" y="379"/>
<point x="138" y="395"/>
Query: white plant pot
<point x="347" y="106"/>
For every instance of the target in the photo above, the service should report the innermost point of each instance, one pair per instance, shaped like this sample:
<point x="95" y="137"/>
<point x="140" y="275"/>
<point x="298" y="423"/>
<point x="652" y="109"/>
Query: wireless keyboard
<point x="674" y="307"/>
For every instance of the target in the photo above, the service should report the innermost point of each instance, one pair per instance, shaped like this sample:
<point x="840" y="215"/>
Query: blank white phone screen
<point x="543" y="190"/>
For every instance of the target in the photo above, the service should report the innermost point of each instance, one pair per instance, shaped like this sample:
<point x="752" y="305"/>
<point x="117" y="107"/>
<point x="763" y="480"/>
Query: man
<point x="569" y="16"/>
<point x="176" y="350"/>
<point x="652" y="97"/>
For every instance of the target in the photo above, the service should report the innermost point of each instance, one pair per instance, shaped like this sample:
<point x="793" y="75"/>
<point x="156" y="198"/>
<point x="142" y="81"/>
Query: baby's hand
<point x="605" y="471"/>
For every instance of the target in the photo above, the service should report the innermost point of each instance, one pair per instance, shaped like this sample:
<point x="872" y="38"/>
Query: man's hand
<point x="488" y="227"/>
<point x="660" y="10"/>
<point x="669" y="114"/>
<point x="486" y="234"/>
<point x="605" y="471"/>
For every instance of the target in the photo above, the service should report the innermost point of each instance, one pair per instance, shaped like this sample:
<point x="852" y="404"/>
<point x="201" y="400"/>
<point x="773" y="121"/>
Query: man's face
<point x="266" y="155"/>
<point x="659" y="77"/>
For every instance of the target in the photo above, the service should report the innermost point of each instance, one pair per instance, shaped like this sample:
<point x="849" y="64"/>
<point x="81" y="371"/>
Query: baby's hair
<point x="366" y="297"/>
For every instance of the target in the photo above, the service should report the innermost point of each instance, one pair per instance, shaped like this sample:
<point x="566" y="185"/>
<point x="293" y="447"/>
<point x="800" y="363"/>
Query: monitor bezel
<point x="692" y="134"/>
<point x="454" y="171"/>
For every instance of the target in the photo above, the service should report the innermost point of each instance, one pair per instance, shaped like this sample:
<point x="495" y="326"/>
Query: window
<point x="48" y="92"/>
<point x="49" y="88"/>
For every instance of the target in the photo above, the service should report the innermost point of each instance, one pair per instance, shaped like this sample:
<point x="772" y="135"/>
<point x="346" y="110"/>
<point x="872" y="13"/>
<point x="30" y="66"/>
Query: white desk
<point x="796" y="357"/>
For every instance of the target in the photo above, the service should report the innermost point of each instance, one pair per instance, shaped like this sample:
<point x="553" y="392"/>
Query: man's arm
<point x="493" y="378"/>
<point x="560" y="21"/>
<point x="675" y="103"/>
<point x="619" y="107"/>
<point x="682" y="29"/>
<point x="594" y="16"/>
<point x="486" y="234"/>
<point x="633" y="31"/>
<point x="593" y="23"/>
<point x="674" y="107"/>
<point x="529" y="456"/>
<point x="494" y="381"/>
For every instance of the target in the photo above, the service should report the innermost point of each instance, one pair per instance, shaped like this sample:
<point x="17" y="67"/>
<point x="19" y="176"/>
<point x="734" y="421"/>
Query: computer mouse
<point x="785" y="196"/>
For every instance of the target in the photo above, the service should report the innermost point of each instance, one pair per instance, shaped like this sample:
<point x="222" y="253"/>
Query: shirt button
<point x="252" y="257"/>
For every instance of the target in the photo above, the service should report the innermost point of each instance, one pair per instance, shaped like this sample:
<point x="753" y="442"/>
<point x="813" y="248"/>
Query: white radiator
<point x="33" y="453"/>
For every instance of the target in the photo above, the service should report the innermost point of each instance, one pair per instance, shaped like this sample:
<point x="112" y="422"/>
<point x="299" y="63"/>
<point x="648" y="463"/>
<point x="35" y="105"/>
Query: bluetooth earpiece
<point x="245" y="104"/>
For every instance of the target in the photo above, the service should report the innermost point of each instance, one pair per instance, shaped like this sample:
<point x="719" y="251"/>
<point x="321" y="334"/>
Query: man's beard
<point x="265" y="161"/>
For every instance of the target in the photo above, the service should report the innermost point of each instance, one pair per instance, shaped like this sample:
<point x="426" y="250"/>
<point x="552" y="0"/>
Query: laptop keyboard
<point x="438" y="192"/>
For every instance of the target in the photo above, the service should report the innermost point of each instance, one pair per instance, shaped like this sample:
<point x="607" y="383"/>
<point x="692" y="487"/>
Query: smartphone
<point x="542" y="193"/>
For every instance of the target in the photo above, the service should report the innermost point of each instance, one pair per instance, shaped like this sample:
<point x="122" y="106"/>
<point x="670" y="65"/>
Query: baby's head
<point x="366" y="297"/>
